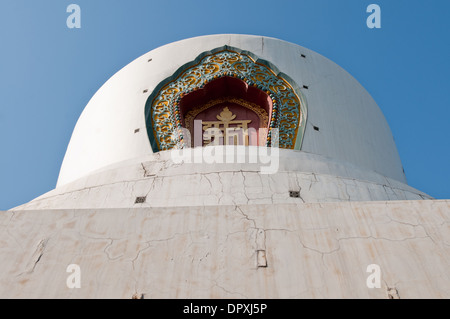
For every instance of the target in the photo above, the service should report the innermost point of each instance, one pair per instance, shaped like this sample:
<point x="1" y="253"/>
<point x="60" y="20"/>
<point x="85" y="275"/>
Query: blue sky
<point x="49" y="72"/>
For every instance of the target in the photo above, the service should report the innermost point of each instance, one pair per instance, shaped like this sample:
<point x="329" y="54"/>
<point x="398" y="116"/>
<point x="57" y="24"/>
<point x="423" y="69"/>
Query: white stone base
<point x="312" y="250"/>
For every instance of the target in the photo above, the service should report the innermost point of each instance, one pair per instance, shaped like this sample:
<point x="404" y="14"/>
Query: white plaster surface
<point x="312" y="250"/>
<point x="352" y="127"/>
<point x="165" y="183"/>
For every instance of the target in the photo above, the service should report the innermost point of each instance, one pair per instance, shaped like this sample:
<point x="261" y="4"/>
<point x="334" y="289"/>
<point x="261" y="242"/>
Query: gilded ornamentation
<point x="163" y="110"/>
<point x="226" y="115"/>
<point x="262" y="114"/>
<point x="225" y="128"/>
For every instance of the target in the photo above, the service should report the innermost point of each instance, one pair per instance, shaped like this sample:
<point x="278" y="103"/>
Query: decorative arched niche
<point x="229" y="85"/>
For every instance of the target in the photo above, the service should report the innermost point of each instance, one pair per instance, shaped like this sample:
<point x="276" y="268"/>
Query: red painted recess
<point x="225" y="87"/>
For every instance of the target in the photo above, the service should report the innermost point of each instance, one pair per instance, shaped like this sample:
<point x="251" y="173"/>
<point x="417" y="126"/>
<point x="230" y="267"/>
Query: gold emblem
<point x="226" y="115"/>
<point x="226" y="130"/>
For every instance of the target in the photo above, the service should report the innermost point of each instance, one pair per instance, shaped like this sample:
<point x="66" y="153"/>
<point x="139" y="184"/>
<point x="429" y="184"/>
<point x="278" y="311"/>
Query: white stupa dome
<point x="336" y="139"/>
<point x="351" y="126"/>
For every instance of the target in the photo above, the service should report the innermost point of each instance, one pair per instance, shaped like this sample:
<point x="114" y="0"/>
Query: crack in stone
<point x="222" y="193"/>
<point x="274" y="192"/>
<point x="414" y="226"/>
<point x="36" y="257"/>
<point x="244" y="192"/>
<point x="209" y="181"/>
<point x="151" y="187"/>
<point x="236" y="232"/>
<point x="88" y="189"/>
<point x="216" y="284"/>
<point x="149" y="242"/>
<point x="99" y="238"/>
<point x="10" y="218"/>
<point x="204" y="257"/>
<point x="238" y="209"/>
<point x="338" y="240"/>
<point x="138" y="254"/>
<point x="312" y="182"/>
<point x="107" y="254"/>
<point x="299" y="189"/>
<point x="346" y="192"/>
<point x="145" y="170"/>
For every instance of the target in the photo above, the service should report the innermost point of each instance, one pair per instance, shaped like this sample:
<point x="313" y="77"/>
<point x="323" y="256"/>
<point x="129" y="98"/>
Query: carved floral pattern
<point x="165" y="112"/>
